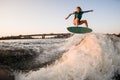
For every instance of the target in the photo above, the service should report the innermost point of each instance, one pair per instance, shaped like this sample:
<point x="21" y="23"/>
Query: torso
<point x="78" y="15"/>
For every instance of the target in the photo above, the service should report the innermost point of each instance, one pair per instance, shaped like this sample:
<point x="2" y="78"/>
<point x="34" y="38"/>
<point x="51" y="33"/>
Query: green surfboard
<point x="79" y="30"/>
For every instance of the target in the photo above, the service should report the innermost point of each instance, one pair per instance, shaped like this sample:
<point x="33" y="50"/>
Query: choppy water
<point x="81" y="57"/>
<point x="30" y="54"/>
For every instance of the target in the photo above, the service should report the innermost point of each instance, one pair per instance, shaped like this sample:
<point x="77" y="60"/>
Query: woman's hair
<point x="79" y="8"/>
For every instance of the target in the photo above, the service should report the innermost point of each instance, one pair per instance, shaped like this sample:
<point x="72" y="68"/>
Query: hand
<point x="91" y="10"/>
<point x="66" y="18"/>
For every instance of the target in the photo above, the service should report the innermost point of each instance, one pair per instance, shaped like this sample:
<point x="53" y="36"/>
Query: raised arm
<point x="69" y="15"/>
<point x="87" y="11"/>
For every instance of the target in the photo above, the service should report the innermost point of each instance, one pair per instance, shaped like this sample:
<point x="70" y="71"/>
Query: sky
<point x="48" y="16"/>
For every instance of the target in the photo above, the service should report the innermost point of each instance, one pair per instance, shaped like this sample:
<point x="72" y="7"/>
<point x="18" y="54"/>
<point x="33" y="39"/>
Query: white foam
<point x="90" y="57"/>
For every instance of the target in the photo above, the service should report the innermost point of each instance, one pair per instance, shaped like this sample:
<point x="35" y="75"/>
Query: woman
<point x="78" y="15"/>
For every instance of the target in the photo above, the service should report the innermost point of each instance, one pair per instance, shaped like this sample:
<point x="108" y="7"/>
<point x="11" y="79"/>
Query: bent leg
<point x="85" y="22"/>
<point x="76" y="22"/>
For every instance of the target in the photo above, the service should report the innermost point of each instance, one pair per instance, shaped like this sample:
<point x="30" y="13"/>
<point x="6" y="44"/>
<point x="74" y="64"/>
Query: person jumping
<point x="78" y="15"/>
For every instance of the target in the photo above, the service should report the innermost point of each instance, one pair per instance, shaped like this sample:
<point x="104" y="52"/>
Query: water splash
<point x="89" y="57"/>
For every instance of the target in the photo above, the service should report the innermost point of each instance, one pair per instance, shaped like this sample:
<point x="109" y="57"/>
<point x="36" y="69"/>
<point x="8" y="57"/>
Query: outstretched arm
<point x="87" y="11"/>
<point x="69" y="15"/>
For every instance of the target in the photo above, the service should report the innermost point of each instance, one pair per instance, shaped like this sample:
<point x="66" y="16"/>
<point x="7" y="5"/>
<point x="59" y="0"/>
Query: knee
<point x="85" y="20"/>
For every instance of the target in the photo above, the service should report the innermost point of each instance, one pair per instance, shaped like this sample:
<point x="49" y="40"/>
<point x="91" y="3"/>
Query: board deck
<point x="79" y="30"/>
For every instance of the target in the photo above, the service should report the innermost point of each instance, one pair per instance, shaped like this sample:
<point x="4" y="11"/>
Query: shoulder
<point x="82" y="11"/>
